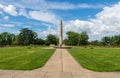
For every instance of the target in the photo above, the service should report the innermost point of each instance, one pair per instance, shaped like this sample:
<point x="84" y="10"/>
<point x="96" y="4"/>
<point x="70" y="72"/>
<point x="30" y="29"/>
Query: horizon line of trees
<point x="28" y="37"/>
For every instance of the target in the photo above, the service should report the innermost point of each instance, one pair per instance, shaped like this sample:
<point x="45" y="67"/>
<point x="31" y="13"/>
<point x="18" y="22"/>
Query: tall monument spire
<point x="60" y="34"/>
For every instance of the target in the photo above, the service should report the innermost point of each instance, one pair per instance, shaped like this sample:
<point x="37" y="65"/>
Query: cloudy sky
<point x="97" y="17"/>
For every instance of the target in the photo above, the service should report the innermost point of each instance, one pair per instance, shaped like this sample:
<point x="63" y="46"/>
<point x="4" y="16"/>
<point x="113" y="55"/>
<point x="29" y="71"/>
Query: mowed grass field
<point x="97" y="59"/>
<point x="24" y="58"/>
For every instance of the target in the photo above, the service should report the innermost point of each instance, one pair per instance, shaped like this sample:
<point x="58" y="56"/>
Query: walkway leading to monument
<point x="60" y="65"/>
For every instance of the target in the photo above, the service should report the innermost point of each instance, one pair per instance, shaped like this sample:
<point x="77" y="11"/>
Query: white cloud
<point x="49" y="31"/>
<point x="78" y="26"/>
<point x="90" y="6"/>
<point x="6" y="17"/>
<point x="106" y="23"/>
<point x="44" y="33"/>
<point x="40" y="9"/>
<point x="10" y="9"/>
<point x="44" y="16"/>
<point x="45" y="5"/>
<point x="10" y="30"/>
<point x="68" y="6"/>
<point x="108" y="20"/>
<point x="27" y="26"/>
<point x="1" y="12"/>
<point x="23" y="12"/>
<point x="45" y="24"/>
<point x="7" y="25"/>
<point x="29" y="4"/>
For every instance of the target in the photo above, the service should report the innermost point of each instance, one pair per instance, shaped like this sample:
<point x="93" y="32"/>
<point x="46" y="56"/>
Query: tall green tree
<point x="65" y="41"/>
<point x="15" y="41"/>
<point x="83" y="38"/>
<point x="40" y="41"/>
<point x="106" y="40"/>
<point x="27" y="37"/>
<point x="13" y="37"/>
<point x="73" y="38"/>
<point x="51" y="39"/>
<point x="115" y="40"/>
<point x="6" y="38"/>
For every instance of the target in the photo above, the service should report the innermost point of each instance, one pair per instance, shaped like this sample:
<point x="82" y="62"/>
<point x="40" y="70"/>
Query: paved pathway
<point x="60" y="65"/>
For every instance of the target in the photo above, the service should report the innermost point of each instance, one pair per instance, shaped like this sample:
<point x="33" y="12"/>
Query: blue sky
<point x="97" y="17"/>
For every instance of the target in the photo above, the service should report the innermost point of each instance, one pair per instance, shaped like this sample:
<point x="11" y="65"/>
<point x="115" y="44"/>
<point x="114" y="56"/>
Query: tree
<point x="95" y="42"/>
<point x="83" y="38"/>
<point x="73" y="38"/>
<point x="13" y="38"/>
<point x="40" y="41"/>
<point x="115" y="40"/>
<point x="65" y="41"/>
<point x="6" y="38"/>
<point x="106" y="40"/>
<point x="0" y="40"/>
<point x="27" y="37"/>
<point x="15" y="41"/>
<point x="51" y="39"/>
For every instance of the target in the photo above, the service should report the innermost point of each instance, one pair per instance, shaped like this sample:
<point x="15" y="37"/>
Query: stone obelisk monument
<point x="60" y="34"/>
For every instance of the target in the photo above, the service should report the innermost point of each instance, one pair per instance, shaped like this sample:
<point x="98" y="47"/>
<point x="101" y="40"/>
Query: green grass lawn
<point x="23" y="58"/>
<point x="97" y="59"/>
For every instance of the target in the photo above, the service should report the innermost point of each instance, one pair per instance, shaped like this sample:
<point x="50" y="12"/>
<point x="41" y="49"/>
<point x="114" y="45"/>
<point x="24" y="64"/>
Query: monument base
<point x="63" y="47"/>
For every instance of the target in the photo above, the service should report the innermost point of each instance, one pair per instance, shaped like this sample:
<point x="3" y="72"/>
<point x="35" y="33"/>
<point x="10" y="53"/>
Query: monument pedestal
<point x="63" y="47"/>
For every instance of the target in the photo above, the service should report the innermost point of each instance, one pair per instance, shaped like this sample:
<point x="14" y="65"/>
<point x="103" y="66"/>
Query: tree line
<point x="77" y="39"/>
<point x="28" y="37"/>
